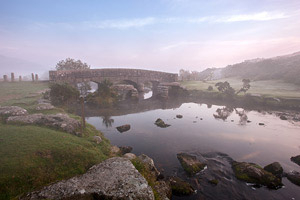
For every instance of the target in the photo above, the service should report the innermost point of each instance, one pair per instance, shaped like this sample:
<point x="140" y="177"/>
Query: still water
<point x="202" y="132"/>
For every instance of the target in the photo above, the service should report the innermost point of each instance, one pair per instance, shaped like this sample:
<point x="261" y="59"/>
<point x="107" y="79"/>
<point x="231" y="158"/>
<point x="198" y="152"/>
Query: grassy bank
<point x="271" y="88"/>
<point x="33" y="156"/>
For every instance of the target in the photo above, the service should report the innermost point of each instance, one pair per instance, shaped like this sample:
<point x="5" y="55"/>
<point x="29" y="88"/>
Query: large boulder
<point x="59" y="121"/>
<point x="294" y="177"/>
<point x="274" y="168"/>
<point x="180" y="187"/>
<point x="7" y="111"/>
<point x="296" y="159"/>
<point x="190" y="163"/>
<point x="123" y="128"/>
<point x="160" y="123"/>
<point x="115" y="178"/>
<point x="253" y="173"/>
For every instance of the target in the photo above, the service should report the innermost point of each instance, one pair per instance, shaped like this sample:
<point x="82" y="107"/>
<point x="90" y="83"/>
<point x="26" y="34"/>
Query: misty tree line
<point x="186" y="75"/>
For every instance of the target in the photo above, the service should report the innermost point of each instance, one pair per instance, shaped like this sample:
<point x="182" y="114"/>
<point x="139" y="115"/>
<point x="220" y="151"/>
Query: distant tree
<point x="210" y="88"/>
<point x="71" y="64"/>
<point x="225" y="88"/>
<point x="246" y="86"/>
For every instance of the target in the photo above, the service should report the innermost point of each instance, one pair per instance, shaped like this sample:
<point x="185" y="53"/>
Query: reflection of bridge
<point x="135" y="77"/>
<point x="130" y="108"/>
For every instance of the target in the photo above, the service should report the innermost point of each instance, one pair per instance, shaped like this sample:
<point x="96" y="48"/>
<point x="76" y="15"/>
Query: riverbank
<point x="262" y="94"/>
<point x="33" y="156"/>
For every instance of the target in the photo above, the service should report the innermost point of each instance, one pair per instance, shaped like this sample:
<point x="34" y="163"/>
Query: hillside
<point x="285" y="68"/>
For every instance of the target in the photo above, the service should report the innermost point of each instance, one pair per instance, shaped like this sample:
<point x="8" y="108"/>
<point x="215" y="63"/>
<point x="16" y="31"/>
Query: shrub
<point x="63" y="94"/>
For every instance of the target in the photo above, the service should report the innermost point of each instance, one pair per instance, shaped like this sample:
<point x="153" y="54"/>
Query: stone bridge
<point x="135" y="77"/>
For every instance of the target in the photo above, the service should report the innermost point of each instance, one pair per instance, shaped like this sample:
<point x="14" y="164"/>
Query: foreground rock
<point x="7" y="111"/>
<point x="123" y="128"/>
<point x="294" y="177"/>
<point x="253" y="173"/>
<point x="180" y="187"/>
<point x="274" y="168"/>
<point x="296" y="159"/>
<point x="160" y="123"/>
<point x="115" y="178"/>
<point x="190" y="163"/>
<point x="147" y="168"/>
<point x="149" y="164"/>
<point x="59" y="121"/>
<point x="130" y="156"/>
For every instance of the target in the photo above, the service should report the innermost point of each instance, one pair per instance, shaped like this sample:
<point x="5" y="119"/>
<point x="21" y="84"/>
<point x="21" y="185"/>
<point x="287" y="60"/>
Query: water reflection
<point x="223" y="113"/>
<point x="243" y="116"/>
<point x="107" y="121"/>
<point x="277" y="141"/>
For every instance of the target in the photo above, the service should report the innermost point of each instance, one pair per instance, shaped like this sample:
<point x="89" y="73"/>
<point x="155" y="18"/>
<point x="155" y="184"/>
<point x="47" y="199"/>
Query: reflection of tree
<point x="107" y="121"/>
<point x="223" y="113"/>
<point x="209" y="106"/>
<point x="243" y="116"/>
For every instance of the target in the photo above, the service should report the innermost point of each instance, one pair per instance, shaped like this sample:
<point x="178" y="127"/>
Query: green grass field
<point x="271" y="88"/>
<point x="33" y="156"/>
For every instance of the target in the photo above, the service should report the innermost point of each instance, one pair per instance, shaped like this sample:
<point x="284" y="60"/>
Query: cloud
<point x="121" y="24"/>
<point x="262" y="16"/>
<point x="142" y="22"/>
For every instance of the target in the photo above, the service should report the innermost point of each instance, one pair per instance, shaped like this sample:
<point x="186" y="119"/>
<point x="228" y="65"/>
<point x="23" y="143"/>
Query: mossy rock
<point x="274" y="168"/>
<point x="253" y="173"/>
<point x="160" y="123"/>
<point x="180" y="187"/>
<point x="296" y="159"/>
<point x="294" y="177"/>
<point x="190" y="163"/>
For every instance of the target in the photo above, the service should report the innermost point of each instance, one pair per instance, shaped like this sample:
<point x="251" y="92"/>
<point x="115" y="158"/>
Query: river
<point x="216" y="137"/>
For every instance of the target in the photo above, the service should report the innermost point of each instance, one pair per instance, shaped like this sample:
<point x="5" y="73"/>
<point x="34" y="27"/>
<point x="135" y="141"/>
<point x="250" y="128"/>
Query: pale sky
<point x="164" y="35"/>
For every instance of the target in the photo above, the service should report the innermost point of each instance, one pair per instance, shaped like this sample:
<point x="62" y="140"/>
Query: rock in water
<point x="179" y="116"/>
<point x="125" y="149"/>
<point x="115" y="178"/>
<point x="12" y="111"/>
<point x="294" y="177"/>
<point x="274" y="168"/>
<point x="160" y="123"/>
<point x="180" y="187"/>
<point x="253" y="173"/>
<point x="283" y="117"/>
<point x="123" y="128"/>
<point x="296" y="159"/>
<point x="190" y="163"/>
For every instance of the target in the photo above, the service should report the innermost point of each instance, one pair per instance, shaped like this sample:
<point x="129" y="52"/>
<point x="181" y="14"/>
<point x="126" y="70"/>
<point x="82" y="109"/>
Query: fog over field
<point x="165" y="35"/>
